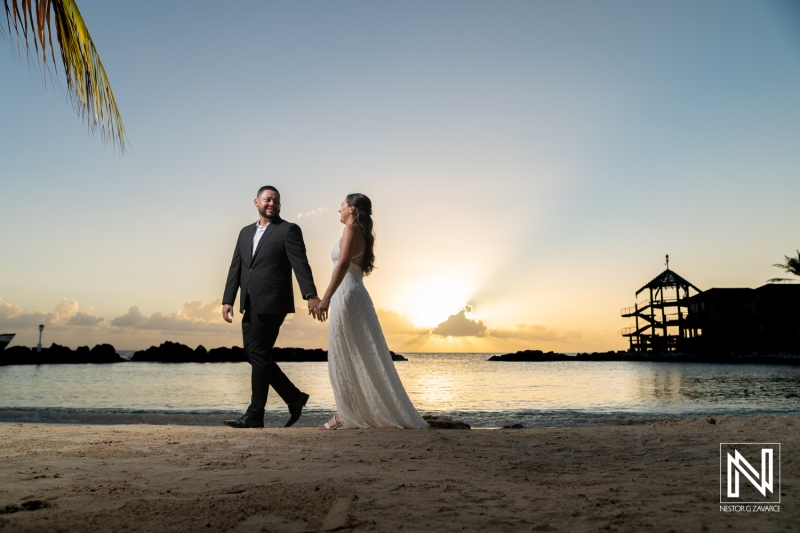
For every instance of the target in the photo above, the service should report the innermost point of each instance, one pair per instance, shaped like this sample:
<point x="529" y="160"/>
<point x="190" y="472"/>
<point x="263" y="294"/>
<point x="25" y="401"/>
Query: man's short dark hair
<point x="268" y="188"/>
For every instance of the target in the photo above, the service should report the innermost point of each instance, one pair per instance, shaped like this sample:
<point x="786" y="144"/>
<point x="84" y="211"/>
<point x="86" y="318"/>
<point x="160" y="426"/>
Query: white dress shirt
<point x="257" y="237"/>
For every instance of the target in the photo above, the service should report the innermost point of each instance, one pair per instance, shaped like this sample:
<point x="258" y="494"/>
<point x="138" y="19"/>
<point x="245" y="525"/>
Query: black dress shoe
<point x="296" y="409"/>
<point x="245" y="422"/>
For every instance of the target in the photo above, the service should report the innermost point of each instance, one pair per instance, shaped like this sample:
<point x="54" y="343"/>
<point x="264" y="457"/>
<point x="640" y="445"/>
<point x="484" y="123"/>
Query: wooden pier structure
<point x="661" y="318"/>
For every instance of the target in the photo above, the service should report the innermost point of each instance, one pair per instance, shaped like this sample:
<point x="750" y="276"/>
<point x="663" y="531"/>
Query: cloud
<point x="66" y="308"/>
<point x="133" y="318"/>
<point x="193" y="316"/>
<point x="459" y="325"/>
<point x="211" y="312"/>
<point x="195" y="322"/>
<point x="198" y="320"/>
<point x="533" y="333"/>
<point x="65" y="313"/>
<point x="83" y="319"/>
<point x="314" y="213"/>
<point x="12" y="316"/>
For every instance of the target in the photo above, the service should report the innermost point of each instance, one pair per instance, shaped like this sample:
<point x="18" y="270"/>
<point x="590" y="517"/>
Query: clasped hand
<point x="318" y="308"/>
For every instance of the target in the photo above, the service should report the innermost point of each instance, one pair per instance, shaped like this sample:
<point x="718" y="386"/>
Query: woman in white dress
<point x="365" y="384"/>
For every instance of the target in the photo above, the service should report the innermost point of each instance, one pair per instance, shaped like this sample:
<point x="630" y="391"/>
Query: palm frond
<point x="791" y="266"/>
<point x="33" y="22"/>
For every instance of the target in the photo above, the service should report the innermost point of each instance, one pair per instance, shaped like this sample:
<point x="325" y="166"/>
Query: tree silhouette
<point x="791" y="266"/>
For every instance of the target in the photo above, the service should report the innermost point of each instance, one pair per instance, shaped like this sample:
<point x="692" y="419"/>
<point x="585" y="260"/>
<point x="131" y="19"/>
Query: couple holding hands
<point x="366" y="387"/>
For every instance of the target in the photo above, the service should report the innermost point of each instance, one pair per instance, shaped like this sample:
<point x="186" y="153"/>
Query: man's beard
<point x="263" y="213"/>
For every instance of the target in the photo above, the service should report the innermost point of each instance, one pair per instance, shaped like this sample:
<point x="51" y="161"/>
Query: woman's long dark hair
<point x="363" y="220"/>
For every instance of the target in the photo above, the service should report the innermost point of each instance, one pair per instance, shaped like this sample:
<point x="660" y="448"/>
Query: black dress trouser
<point x="260" y="331"/>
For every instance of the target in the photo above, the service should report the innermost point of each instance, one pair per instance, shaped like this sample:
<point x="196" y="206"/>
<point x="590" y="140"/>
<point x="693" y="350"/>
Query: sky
<point x="530" y="163"/>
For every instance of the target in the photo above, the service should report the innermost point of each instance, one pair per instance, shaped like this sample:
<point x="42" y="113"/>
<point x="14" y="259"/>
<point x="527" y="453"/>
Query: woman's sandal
<point x="336" y="423"/>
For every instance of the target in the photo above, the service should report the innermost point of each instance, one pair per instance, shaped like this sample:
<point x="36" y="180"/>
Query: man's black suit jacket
<point x="266" y="276"/>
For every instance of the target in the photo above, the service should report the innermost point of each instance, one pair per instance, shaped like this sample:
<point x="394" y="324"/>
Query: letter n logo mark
<point x="738" y="460"/>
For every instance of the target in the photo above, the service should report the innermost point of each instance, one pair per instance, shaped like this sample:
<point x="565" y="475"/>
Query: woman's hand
<point x="322" y="309"/>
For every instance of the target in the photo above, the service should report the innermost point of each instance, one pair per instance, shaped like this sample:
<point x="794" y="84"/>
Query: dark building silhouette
<point x="763" y="320"/>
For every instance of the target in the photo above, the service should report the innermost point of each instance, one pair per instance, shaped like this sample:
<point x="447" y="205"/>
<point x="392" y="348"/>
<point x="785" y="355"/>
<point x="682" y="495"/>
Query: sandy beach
<point x="659" y="477"/>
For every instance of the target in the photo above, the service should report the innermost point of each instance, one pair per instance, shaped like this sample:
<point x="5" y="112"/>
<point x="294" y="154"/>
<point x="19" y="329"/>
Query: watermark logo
<point x="749" y="473"/>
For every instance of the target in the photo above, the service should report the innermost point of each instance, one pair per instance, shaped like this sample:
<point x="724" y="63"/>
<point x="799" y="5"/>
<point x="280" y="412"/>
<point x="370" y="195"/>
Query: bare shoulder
<point x="352" y="238"/>
<point x="352" y="233"/>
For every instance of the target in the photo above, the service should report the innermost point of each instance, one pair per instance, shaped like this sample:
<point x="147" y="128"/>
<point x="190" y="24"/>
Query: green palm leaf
<point x="34" y="21"/>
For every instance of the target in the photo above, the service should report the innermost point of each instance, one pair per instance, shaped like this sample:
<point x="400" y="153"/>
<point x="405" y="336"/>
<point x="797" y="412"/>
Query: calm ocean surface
<point x="463" y="386"/>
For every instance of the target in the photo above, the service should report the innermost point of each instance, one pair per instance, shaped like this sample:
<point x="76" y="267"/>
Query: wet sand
<point x="661" y="477"/>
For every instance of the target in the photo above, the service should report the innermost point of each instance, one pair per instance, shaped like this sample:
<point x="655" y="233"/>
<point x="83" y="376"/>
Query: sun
<point x="429" y="302"/>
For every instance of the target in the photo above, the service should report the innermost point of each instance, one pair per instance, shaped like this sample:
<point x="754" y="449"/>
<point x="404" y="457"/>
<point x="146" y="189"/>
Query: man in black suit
<point x="265" y="255"/>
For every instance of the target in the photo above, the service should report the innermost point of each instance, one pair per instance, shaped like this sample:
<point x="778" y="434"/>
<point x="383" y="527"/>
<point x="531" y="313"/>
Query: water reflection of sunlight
<point x="662" y="384"/>
<point x="456" y="382"/>
<point x="436" y="389"/>
<point x="554" y="386"/>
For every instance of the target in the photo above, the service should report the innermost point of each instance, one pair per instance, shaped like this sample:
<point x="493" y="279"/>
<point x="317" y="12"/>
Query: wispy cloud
<point x="314" y="213"/>
<point x="533" y="333"/>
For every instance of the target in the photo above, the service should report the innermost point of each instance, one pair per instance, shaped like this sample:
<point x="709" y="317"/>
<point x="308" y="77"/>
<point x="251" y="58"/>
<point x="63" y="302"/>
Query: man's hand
<point x="312" y="306"/>
<point x="227" y="313"/>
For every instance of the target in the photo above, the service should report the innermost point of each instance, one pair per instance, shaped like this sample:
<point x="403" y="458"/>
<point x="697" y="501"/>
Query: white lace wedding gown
<point x="366" y="386"/>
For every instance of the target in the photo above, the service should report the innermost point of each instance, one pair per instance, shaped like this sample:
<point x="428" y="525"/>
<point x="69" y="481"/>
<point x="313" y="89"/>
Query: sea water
<point x="466" y="387"/>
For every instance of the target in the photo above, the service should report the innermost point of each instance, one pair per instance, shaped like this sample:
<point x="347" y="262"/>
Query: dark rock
<point x="16" y="355"/>
<point x="35" y="505"/>
<point x="235" y="354"/>
<point x="668" y="357"/>
<point x="224" y="354"/>
<point x="397" y="356"/>
<point x="104" y="353"/>
<point x="60" y="355"/>
<point x="172" y="352"/>
<point x="299" y="355"/>
<point x="82" y="352"/>
<point x="531" y="355"/>
<point x="436" y="422"/>
<point x="514" y="426"/>
<point x="168" y="352"/>
<point x="605" y="356"/>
